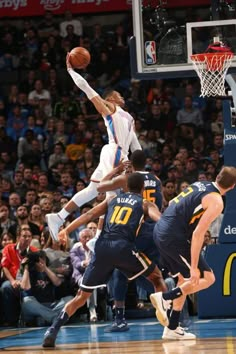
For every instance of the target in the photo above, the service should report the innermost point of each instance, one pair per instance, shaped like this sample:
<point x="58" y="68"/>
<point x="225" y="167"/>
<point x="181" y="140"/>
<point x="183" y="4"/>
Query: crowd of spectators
<point x="51" y="137"/>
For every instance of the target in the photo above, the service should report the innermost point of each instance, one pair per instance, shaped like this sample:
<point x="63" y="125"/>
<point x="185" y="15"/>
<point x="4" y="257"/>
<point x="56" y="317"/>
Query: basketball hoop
<point x="211" y="69"/>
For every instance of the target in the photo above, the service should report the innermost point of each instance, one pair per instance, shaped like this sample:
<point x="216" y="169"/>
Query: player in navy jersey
<point x="121" y="136"/>
<point x="144" y="241"/>
<point x="115" y="247"/>
<point x="179" y="236"/>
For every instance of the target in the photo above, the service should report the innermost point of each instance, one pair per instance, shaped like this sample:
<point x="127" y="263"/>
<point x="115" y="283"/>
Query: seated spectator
<point x="30" y="198"/>
<point x="12" y="256"/>
<point x="38" y="296"/>
<point x="18" y="183"/>
<point x="60" y="263"/>
<point x="48" y="26"/>
<point x="5" y="221"/>
<point x="66" y="186"/>
<point x="68" y="20"/>
<point x="44" y="58"/>
<point x="7" y="143"/>
<point x="46" y="204"/>
<point x="24" y="146"/>
<point x="44" y="185"/>
<point x="44" y="237"/>
<point x="22" y="219"/>
<point x="168" y="192"/>
<point x="39" y="93"/>
<point x="36" y="217"/>
<point x="16" y="123"/>
<point x="207" y="241"/>
<point x="72" y="37"/>
<point x="58" y="155"/>
<point x="189" y="119"/>
<point x="80" y="258"/>
<point x="5" y="239"/>
<point x="92" y="226"/>
<point x="6" y="188"/>
<point x="14" y="203"/>
<point x="191" y="171"/>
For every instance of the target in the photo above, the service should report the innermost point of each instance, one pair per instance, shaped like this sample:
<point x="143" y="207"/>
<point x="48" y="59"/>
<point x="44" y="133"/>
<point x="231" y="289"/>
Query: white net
<point x="211" y="69"/>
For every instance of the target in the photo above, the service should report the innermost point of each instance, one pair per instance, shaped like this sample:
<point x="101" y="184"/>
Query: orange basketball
<point x="79" y="58"/>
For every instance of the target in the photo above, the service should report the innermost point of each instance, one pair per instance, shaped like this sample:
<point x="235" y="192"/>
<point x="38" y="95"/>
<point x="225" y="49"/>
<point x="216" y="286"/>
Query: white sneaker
<point x="178" y="333"/>
<point x="161" y="307"/>
<point x="54" y="223"/>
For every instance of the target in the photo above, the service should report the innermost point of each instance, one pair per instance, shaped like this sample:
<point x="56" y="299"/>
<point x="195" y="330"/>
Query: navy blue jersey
<point x="184" y="212"/>
<point x="123" y="217"/>
<point x="152" y="188"/>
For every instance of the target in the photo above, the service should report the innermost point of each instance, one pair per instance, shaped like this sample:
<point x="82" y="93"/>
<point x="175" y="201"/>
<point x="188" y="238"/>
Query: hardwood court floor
<point x="144" y="336"/>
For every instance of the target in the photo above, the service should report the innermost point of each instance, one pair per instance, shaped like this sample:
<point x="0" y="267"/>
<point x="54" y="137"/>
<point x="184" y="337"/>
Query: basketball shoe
<point x="178" y="333"/>
<point x="54" y="223"/>
<point x="161" y="307"/>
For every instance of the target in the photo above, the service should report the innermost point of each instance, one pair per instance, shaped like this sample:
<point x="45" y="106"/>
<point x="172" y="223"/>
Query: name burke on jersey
<point x="127" y="201"/>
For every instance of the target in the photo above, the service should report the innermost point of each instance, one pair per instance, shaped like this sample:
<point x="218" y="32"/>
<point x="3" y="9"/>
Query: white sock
<point x="63" y="214"/>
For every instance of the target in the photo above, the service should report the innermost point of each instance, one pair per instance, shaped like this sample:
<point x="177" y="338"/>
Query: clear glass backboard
<point x="164" y="38"/>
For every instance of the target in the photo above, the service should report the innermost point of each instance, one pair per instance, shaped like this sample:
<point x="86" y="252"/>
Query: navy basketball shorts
<point x="111" y="253"/>
<point x="176" y="257"/>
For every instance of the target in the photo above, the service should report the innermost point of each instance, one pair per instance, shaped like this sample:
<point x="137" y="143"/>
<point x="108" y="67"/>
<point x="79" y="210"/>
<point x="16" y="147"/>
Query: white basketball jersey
<point x="120" y="128"/>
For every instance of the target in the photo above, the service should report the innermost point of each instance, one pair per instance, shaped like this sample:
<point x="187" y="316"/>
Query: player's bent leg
<point x="55" y="221"/>
<point x="70" y="308"/>
<point x="208" y="279"/>
<point x="157" y="280"/>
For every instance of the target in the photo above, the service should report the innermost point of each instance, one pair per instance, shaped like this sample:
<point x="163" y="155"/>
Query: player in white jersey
<point x="122" y="137"/>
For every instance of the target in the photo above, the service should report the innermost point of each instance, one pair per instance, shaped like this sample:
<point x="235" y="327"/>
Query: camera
<point x="33" y="258"/>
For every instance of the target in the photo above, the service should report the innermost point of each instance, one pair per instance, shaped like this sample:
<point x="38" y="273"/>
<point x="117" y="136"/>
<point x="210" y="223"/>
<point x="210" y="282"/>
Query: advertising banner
<point x="23" y="8"/>
<point x="219" y="299"/>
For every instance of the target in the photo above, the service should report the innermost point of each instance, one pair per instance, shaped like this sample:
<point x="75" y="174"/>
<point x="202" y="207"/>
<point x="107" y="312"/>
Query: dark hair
<point x="138" y="160"/>
<point x="107" y="93"/>
<point x="34" y="257"/>
<point x="135" y="182"/>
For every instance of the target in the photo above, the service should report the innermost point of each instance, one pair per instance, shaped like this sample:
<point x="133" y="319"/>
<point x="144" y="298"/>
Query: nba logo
<point x="150" y="52"/>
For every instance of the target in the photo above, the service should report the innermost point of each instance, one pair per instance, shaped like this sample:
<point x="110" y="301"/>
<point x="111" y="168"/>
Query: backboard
<point x="163" y="41"/>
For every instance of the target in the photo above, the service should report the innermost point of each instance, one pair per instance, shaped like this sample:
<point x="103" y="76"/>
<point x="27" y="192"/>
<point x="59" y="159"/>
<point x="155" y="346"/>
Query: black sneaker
<point x="117" y="326"/>
<point x="49" y="338"/>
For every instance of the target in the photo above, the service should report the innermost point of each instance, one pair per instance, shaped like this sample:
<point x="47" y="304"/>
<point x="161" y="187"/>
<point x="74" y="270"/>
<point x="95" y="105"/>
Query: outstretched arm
<point x="92" y="95"/>
<point x="84" y="219"/>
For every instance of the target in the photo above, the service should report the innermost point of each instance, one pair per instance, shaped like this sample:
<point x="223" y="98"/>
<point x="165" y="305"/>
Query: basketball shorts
<point x="176" y="258"/>
<point x="110" y="254"/>
<point x="110" y="156"/>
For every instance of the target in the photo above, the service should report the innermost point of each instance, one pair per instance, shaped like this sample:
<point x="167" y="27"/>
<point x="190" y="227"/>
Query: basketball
<point x="79" y="58"/>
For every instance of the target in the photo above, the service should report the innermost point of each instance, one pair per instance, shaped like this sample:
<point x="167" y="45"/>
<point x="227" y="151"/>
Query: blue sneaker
<point x="118" y="326"/>
<point x="49" y="338"/>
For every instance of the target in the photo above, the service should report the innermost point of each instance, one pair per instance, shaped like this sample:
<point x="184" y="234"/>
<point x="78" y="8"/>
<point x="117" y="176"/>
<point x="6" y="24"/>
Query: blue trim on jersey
<point x="111" y="126"/>
<point x="117" y="156"/>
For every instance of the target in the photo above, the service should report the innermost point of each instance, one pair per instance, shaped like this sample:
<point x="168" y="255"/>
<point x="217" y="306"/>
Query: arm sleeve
<point x="82" y="84"/>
